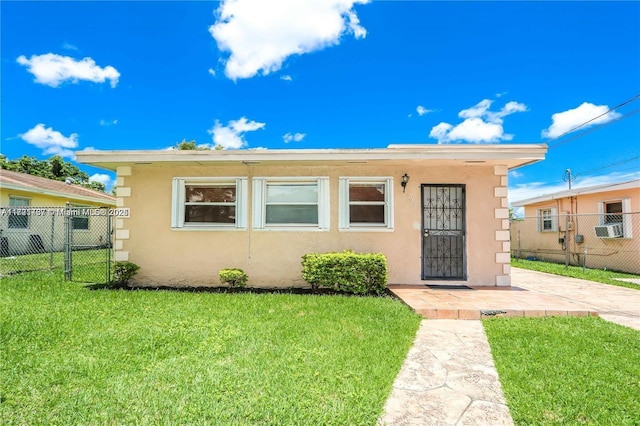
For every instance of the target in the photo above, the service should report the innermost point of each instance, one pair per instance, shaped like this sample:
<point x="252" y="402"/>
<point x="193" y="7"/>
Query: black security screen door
<point x="443" y="232"/>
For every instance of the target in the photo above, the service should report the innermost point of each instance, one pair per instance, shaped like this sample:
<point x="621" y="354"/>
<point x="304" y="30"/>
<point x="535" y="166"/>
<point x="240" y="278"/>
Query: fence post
<point x="584" y="259"/>
<point x="566" y="242"/>
<point x="109" y="248"/>
<point x="51" y="248"/>
<point x="67" y="243"/>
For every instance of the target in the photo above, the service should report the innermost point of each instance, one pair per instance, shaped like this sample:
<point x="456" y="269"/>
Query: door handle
<point x="426" y="233"/>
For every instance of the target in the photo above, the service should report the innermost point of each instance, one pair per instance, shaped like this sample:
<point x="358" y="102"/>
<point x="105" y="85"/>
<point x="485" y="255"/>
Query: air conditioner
<point x="613" y="230"/>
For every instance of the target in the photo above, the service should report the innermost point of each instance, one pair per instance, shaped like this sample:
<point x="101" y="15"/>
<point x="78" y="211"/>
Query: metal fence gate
<point x="75" y="242"/>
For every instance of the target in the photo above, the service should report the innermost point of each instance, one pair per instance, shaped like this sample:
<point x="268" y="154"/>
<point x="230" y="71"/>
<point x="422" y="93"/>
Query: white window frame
<point x="178" y="191"/>
<point x="259" y="204"/>
<point x="553" y="215"/>
<point x="627" y="226"/>
<point x="12" y="211"/>
<point x="344" y="215"/>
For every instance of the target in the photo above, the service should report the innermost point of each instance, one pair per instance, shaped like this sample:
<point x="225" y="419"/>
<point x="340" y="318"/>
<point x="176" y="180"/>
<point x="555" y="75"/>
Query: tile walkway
<point x="449" y="378"/>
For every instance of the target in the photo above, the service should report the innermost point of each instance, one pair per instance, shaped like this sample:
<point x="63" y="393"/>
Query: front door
<point x="443" y="232"/>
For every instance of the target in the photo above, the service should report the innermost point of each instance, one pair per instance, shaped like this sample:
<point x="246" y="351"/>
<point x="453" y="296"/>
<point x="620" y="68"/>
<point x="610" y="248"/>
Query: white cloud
<point x="260" y="36"/>
<point x="212" y="72"/>
<point x="515" y="174"/>
<point x="108" y="122"/>
<point x="480" y="125"/>
<point x="231" y="136"/>
<point x="51" y="141"/>
<point x="293" y="137"/>
<point x="52" y="70"/>
<point x="286" y="78"/>
<point x="103" y="178"/>
<point x="422" y="110"/>
<point x="566" y="121"/>
<point x="69" y="46"/>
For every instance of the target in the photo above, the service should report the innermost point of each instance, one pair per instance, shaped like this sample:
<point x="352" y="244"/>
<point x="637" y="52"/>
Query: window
<point x="80" y="223"/>
<point x="613" y="212"/>
<point x="366" y="203"/>
<point x="547" y="220"/>
<point x="291" y="203"/>
<point x="617" y="211"/>
<point x="18" y="221"/>
<point x="209" y="203"/>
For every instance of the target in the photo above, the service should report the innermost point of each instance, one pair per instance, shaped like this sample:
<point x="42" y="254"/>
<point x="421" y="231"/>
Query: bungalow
<point x="437" y="212"/>
<point x="26" y="229"/>
<point x="596" y="226"/>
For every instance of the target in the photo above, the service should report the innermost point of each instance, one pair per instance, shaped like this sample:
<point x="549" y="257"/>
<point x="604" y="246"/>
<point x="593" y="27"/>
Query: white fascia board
<point x="579" y="191"/>
<point x="526" y="153"/>
<point x="66" y="195"/>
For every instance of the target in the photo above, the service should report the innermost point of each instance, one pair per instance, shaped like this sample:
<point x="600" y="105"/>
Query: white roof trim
<point x="523" y="153"/>
<point x="579" y="191"/>
<point x="11" y="186"/>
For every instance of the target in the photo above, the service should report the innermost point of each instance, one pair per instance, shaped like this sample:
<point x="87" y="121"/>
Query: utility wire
<point x="606" y="167"/>
<point x="628" y="101"/>
<point x="586" y="132"/>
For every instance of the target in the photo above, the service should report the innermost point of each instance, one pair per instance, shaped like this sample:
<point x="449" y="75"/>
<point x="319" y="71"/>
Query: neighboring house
<point x="598" y="226"/>
<point x="33" y="214"/>
<point x="437" y="212"/>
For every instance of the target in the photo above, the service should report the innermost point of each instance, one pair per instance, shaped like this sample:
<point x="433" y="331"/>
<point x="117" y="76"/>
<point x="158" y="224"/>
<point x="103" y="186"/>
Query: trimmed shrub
<point x="123" y="272"/>
<point x="357" y="273"/>
<point x="234" y="277"/>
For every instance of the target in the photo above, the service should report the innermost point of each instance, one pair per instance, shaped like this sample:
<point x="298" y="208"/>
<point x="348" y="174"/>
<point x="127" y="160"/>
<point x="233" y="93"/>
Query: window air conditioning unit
<point x="613" y="230"/>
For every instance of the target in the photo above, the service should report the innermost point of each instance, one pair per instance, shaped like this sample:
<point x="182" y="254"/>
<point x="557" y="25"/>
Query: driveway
<point x="616" y="304"/>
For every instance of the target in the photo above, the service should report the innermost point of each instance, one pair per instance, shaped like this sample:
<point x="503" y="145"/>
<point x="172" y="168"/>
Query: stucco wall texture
<point x="273" y="258"/>
<point x="617" y="254"/>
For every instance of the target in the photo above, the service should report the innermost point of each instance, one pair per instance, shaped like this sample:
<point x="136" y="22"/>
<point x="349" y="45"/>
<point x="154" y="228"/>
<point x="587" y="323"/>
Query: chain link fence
<point x="73" y="241"/>
<point x="598" y="241"/>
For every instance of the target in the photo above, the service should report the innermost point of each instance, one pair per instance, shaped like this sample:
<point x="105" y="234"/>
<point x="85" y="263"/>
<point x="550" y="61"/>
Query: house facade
<point x="33" y="211"/>
<point x="597" y="226"/>
<point x="437" y="212"/>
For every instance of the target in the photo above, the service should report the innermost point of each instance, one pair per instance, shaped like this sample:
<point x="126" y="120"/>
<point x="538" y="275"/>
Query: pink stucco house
<point x="437" y="212"/>
<point x="596" y="226"/>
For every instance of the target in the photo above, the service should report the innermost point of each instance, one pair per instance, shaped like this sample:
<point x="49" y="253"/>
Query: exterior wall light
<point x="405" y="179"/>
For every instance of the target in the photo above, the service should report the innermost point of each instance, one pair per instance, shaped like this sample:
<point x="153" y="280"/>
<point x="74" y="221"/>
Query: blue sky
<point x="288" y="74"/>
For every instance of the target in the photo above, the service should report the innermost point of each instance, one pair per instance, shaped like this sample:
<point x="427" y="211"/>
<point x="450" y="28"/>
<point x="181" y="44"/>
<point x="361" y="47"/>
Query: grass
<point x="76" y="356"/>
<point x="93" y="262"/>
<point x="597" y="275"/>
<point x="567" y="370"/>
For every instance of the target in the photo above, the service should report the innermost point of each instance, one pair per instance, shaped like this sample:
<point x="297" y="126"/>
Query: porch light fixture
<point x="405" y="180"/>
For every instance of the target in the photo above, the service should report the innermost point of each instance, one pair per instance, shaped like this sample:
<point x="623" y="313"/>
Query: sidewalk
<point x="448" y="378"/>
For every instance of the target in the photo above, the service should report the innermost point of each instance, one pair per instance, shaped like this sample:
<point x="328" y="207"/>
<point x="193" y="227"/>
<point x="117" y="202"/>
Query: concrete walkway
<point x="449" y="377"/>
<point x="533" y="294"/>
<point x="616" y="304"/>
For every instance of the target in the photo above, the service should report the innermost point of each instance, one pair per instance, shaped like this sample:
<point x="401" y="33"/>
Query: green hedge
<point x="358" y="273"/>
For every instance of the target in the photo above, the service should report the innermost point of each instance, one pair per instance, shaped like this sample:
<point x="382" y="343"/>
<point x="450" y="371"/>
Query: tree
<point x="54" y="168"/>
<point x="186" y="145"/>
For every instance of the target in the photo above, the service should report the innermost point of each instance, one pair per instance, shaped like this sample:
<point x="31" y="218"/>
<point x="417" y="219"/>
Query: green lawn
<point x="71" y="355"/>
<point x="567" y="370"/>
<point x="90" y="265"/>
<point x="598" y="275"/>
